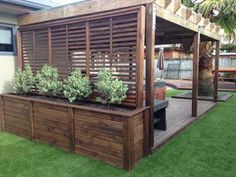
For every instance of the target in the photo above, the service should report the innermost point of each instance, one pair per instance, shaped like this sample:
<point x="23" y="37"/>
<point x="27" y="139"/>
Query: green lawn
<point x="173" y="92"/>
<point x="206" y="149"/>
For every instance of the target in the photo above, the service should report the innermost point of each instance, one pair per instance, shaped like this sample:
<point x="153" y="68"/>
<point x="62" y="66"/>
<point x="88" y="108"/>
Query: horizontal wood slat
<point x="90" y="45"/>
<point x="113" y="138"/>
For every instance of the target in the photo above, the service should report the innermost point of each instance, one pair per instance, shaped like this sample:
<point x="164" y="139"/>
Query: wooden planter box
<point x="115" y="137"/>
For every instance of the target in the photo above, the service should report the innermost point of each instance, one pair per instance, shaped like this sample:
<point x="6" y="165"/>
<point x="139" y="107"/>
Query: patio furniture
<point x="160" y="114"/>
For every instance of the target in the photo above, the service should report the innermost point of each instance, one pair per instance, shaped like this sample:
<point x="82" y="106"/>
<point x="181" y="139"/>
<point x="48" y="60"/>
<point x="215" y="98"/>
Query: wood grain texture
<point x="113" y="40"/>
<point x="117" y="139"/>
<point x="196" y="44"/>
<point x="1" y="115"/>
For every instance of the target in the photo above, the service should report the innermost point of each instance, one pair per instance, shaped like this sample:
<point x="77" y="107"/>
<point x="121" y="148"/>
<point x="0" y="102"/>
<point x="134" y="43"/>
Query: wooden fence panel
<point x="90" y="44"/>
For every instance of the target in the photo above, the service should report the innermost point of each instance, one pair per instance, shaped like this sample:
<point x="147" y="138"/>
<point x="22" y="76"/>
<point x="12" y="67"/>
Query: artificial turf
<point x="206" y="149"/>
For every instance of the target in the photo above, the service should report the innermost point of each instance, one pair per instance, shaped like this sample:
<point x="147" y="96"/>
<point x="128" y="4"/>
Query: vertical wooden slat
<point x="19" y="49"/>
<point x="72" y="129"/>
<point x="196" y="45"/>
<point x="34" y="52"/>
<point x="87" y="49"/>
<point x="67" y="52"/>
<point x="31" y="119"/>
<point x="150" y="54"/>
<point x="140" y="57"/>
<point x="217" y="57"/>
<point x="111" y="43"/>
<point x="49" y="47"/>
<point x="2" y="121"/>
<point x="128" y="137"/>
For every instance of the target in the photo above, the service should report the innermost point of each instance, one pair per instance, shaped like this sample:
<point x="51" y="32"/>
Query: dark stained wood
<point x="114" y="41"/>
<point x="150" y="53"/>
<point x="140" y="56"/>
<point x="31" y="118"/>
<point x="19" y="50"/>
<point x="196" y="44"/>
<point x="146" y="133"/>
<point x="115" y="137"/>
<point x="87" y="49"/>
<point x="2" y="122"/>
<point x="216" y="78"/>
<point x="49" y="47"/>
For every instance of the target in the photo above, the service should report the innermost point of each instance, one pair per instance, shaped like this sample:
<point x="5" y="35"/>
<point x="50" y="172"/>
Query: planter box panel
<point x="138" y="137"/>
<point x="17" y="116"/>
<point x="115" y="137"/>
<point x="52" y="125"/>
<point x="99" y="135"/>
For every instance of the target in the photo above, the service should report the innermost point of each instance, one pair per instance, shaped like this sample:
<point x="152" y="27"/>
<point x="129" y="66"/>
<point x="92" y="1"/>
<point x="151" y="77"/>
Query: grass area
<point x="173" y="92"/>
<point x="205" y="149"/>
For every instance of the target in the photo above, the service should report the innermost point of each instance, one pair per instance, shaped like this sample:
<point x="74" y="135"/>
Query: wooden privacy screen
<point x="112" y="40"/>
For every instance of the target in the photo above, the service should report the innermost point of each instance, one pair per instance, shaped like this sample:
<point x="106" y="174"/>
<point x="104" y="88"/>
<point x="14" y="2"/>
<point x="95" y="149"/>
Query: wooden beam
<point x="216" y="78"/>
<point x="80" y="8"/>
<point x="174" y="6"/>
<point x="19" y="49"/>
<point x="150" y="54"/>
<point x="196" y="44"/>
<point x="140" y="56"/>
<point x="163" y="3"/>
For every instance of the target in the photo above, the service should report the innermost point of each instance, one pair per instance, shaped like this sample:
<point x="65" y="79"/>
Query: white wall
<point x="7" y="70"/>
<point x="7" y="61"/>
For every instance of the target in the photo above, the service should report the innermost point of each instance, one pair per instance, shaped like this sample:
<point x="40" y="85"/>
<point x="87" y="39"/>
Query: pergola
<point x="145" y="23"/>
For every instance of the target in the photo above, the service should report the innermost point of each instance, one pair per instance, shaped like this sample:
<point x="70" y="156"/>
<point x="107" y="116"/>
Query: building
<point x="10" y="10"/>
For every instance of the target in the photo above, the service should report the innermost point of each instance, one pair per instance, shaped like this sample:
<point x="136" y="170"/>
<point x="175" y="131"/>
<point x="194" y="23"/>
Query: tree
<point x="226" y="19"/>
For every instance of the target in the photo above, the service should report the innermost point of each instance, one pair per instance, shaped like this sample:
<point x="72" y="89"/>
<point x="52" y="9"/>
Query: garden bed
<point x="116" y="137"/>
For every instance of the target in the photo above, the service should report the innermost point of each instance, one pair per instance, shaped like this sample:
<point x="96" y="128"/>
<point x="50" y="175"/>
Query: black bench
<point x="160" y="114"/>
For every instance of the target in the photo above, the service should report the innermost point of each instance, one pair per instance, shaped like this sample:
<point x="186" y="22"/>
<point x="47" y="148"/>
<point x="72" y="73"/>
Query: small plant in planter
<point x="77" y="86"/>
<point x="23" y="80"/>
<point x="110" y="89"/>
<point x="47" y="81"/>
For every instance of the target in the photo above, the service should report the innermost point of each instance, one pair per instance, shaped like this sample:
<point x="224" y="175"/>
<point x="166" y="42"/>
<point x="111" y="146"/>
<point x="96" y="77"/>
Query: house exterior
<point x="10" y="10"/>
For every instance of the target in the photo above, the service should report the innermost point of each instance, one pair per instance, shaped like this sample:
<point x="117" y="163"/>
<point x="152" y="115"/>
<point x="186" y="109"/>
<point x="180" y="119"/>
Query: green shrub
<point x="47" y="81"/>
<point x="23" y="80"/>
<point x="111" y="90"/>
<point x="77" y="86"/>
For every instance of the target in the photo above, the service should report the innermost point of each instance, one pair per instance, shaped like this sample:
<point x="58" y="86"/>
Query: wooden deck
<point x="187" y="85"/>
<point x="178" y="117"/>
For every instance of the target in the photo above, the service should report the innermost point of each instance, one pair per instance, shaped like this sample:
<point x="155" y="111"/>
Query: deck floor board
<point x="178" y="116"/>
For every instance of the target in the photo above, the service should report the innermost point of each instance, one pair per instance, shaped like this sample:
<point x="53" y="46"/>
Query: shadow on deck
<point x="178" y="116"/>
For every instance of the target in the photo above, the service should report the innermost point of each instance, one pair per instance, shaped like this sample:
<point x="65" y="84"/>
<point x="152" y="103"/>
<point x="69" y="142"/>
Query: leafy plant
<point x="23" y="80"/>
<point x="77" y="86"/>
<point x="47" y="81"/>
<point x="111" y="89"/>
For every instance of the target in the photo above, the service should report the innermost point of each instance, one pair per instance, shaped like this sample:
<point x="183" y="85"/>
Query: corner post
<point x="150" y="54"/>
<point x="216" y="77"/>
<point x="196" y="45"/>
<point x="2" y="122"/>
<point x="19" y="50"/>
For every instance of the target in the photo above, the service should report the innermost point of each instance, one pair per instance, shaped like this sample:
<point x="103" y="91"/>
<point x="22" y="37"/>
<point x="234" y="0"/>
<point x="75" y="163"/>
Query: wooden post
<point x="19" y="50"/>
<point x="196" y="45"/>
<point x="150" y="53"/>
<point x="87" y="49"/>
<point x="216" y="78"/>
<point x="2" y="122"/>
<point x="72" y="128"/>
<point x="146" y="134"/>
<point x="49" y="47"/>
<point x="31" y="119"/>
<point x="128" y="143"/>
<point x="140" y="57"/>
